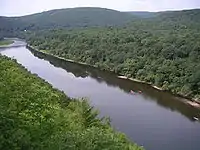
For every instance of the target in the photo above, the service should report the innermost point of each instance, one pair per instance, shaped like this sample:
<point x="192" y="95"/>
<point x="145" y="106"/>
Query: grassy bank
<point x="33" y="115"/>
<point x="6" y="42"/>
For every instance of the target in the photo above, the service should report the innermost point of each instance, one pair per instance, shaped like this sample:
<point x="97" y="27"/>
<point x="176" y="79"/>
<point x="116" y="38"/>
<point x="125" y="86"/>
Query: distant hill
<point x="179" y="19"/>
<point x="192" y="15"/>
<point x="101" y="17"/>
<point x="143" y="14"/>
<point x="189" y="16"/>
<point x="174" y="20"/>
<point x="66" y="18"/>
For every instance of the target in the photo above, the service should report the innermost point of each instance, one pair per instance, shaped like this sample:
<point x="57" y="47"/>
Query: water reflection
<point x="163" y="99"/>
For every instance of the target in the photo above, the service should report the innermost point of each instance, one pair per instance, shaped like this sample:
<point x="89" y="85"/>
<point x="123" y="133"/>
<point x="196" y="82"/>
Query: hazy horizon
<point x="21" y="7"/>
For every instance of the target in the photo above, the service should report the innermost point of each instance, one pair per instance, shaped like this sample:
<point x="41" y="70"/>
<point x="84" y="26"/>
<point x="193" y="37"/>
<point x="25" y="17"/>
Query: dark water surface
<point x="157" y="120"/>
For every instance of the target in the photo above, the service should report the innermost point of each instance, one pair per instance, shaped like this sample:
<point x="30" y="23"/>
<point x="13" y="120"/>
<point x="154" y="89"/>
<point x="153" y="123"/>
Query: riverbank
<point x="136" y="80"/>
<point x="33" y="109"/>
<point x="15" y="43"/>
<point x="183" y="98"/>
<point x="5" y="43"/>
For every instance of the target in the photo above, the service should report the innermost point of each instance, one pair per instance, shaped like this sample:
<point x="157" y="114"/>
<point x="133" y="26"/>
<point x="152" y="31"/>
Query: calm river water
<point x="154" y="119"/>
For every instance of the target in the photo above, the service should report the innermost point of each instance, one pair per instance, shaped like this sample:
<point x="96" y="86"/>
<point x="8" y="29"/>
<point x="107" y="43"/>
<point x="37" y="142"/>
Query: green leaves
<point x="33" y="115"/>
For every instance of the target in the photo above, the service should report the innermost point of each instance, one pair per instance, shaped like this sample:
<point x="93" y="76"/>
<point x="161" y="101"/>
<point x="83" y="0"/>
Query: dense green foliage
<point x="64" y="18"/>
<point x="5" y="42"/>
<point x="33" y="115"/>
<point x="163" y="52"/>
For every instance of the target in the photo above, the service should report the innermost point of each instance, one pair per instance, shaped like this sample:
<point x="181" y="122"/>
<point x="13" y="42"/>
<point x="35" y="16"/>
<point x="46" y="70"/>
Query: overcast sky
<point x="24" y="7"/>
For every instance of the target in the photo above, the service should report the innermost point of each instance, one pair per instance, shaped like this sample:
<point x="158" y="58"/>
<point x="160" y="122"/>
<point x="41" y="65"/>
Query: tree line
<point x="165" y="55"/>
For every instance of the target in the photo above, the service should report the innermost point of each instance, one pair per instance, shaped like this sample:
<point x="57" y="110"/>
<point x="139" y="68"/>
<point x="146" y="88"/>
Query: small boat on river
<point x="132" y="92"/>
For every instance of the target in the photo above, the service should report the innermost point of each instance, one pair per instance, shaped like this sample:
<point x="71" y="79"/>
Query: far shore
<point x="187" y="101"/>
<point x="136" y="80"/>
<point x="191" y="102"/>
<point x="12" y="42"/>
<point x="6" y="43"/>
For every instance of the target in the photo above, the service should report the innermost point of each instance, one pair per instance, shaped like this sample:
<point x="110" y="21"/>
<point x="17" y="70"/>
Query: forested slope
<point x="163" y="54"/>
<point x="33" y="115"/>
<point x="64" y="18"/>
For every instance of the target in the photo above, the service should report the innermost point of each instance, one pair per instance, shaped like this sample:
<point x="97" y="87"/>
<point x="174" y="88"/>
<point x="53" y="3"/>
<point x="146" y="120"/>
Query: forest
<point x="34" y="115"/>
<point x="163" y="51"/>
<point x="63" y="18"/>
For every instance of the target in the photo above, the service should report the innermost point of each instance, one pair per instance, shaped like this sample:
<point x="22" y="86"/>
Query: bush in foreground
<point x="33" y="115"/>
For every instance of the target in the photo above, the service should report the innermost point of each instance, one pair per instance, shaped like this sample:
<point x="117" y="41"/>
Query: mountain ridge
<point x="84" y="17"/>
<point x="71" y="17"/>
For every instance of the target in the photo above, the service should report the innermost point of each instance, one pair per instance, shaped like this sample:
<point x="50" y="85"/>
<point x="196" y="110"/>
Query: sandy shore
<point x="194" y="104"/>
<point x="136" y="80"/>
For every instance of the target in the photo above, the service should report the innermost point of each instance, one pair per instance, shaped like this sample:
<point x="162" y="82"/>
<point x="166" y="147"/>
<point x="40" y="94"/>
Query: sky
<point x="25" y="7"/>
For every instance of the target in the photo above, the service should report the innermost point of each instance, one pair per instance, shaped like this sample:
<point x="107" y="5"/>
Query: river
<point x="154" y="119"/>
